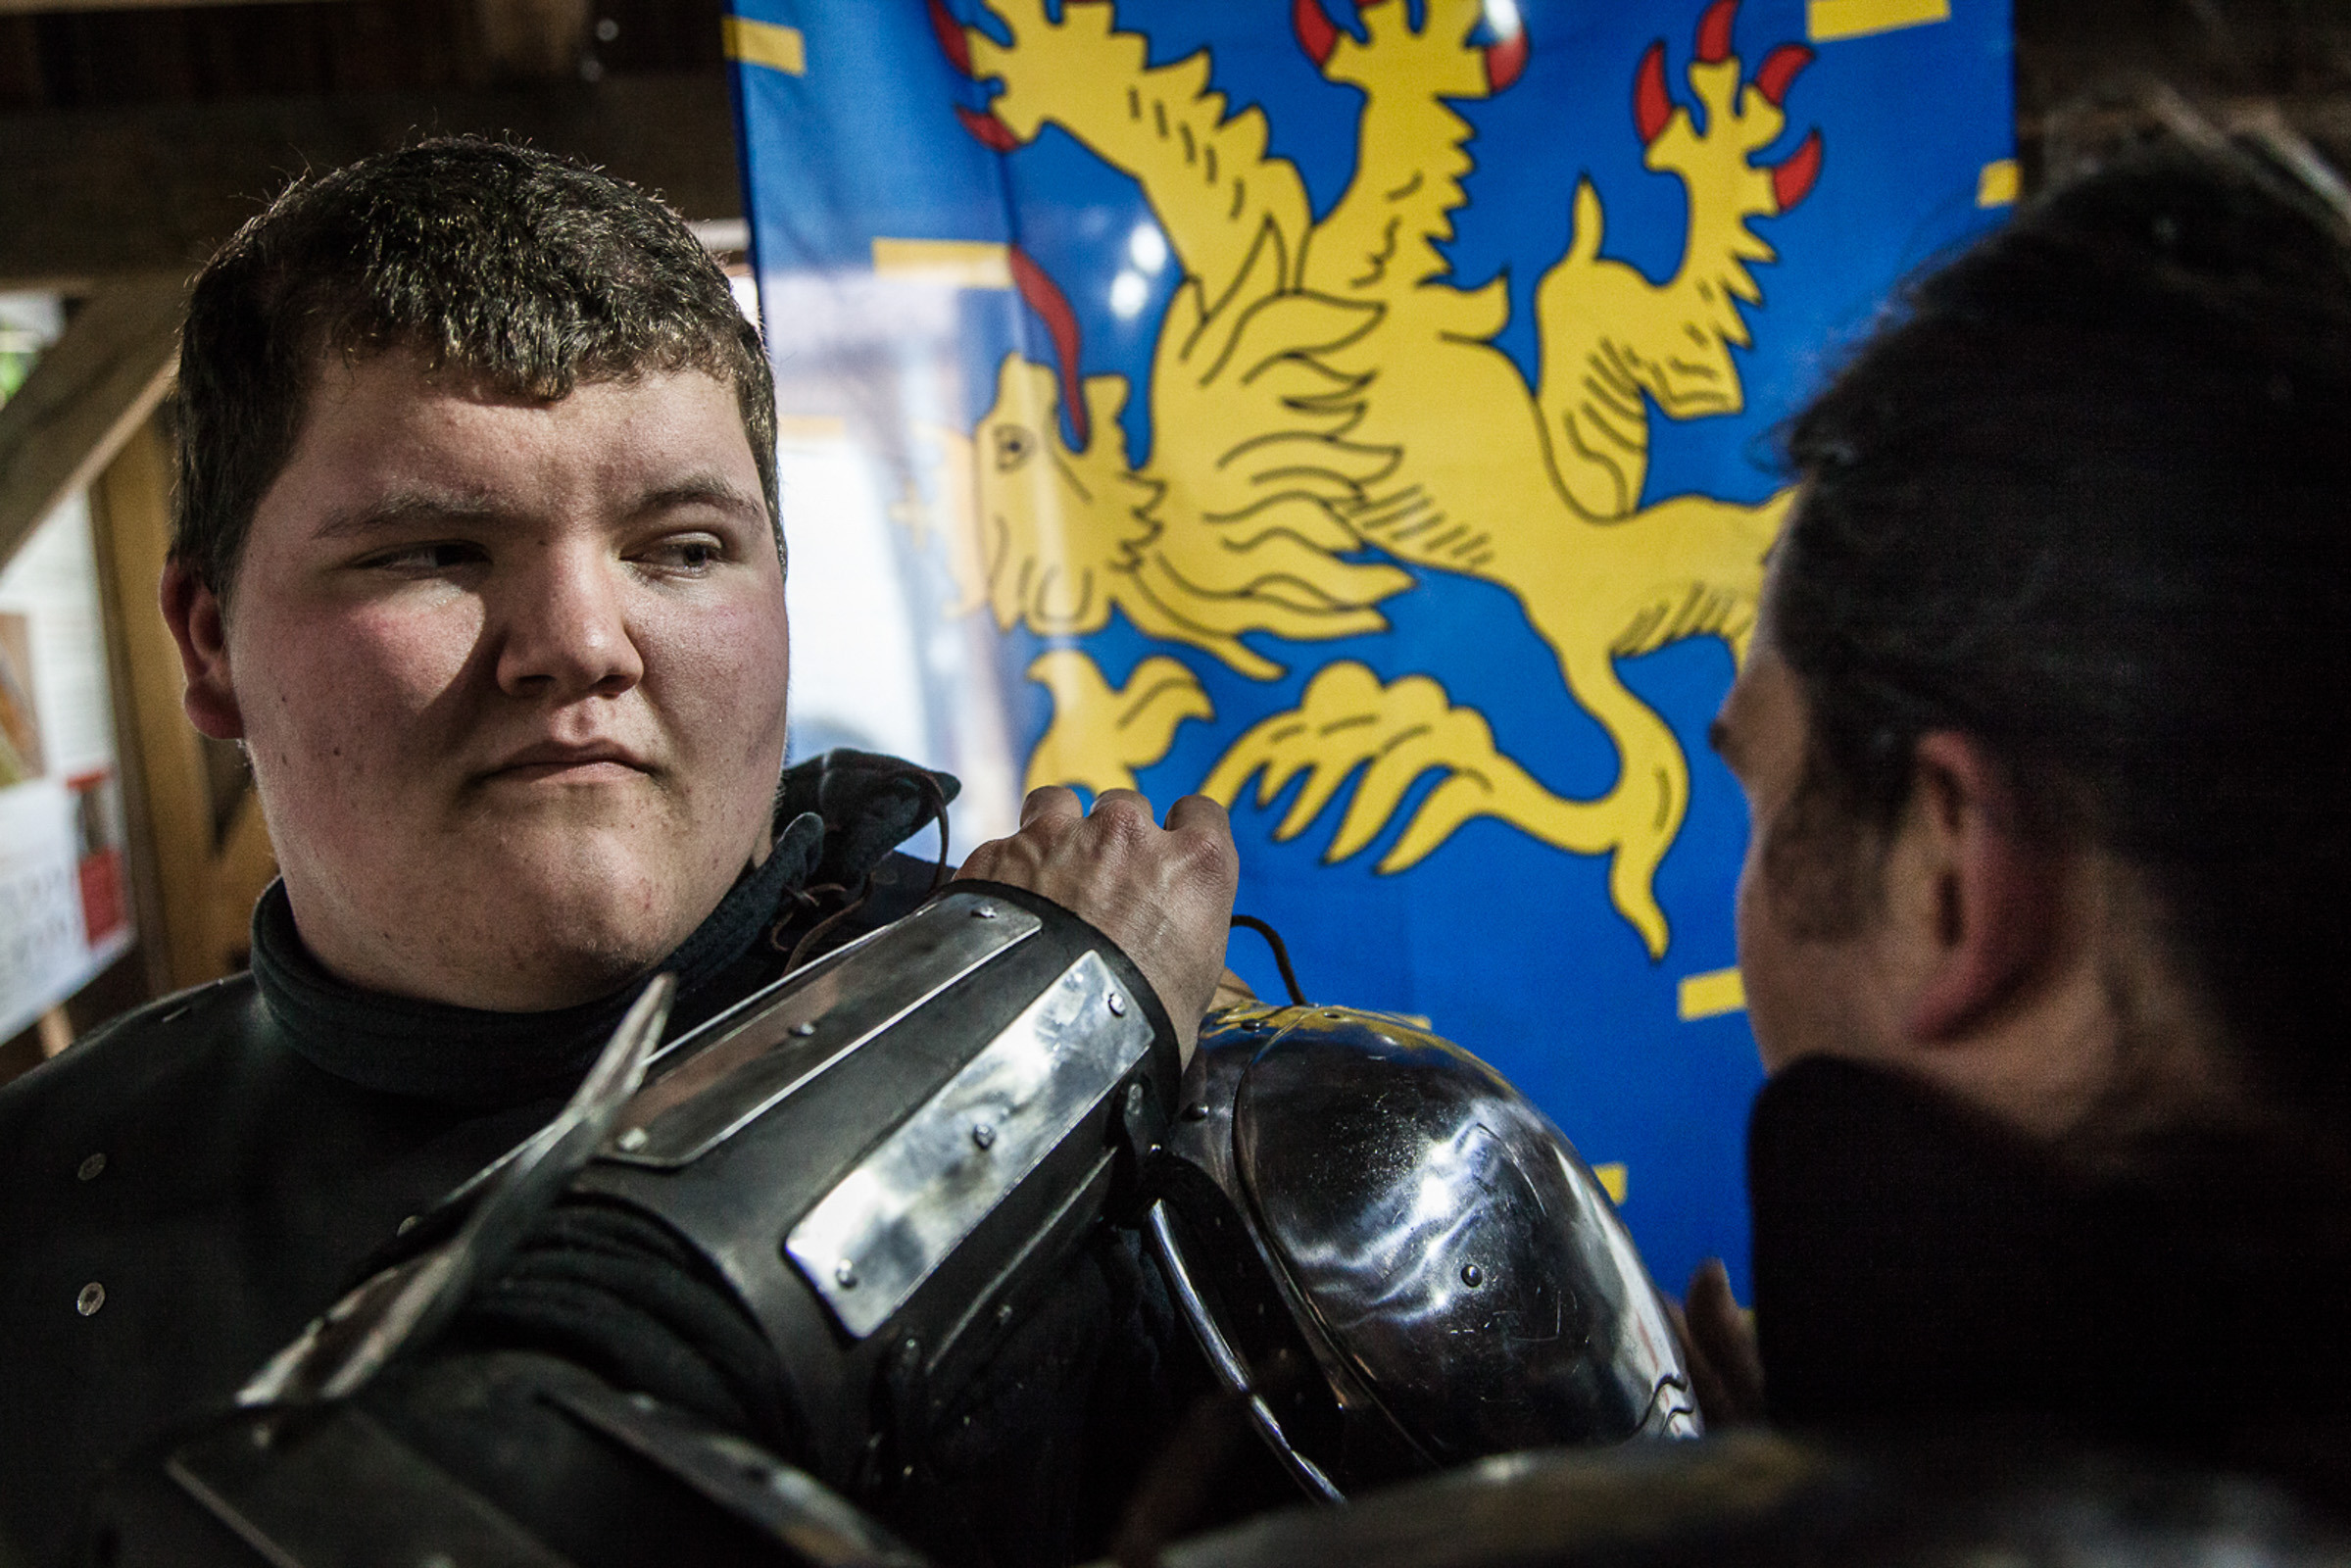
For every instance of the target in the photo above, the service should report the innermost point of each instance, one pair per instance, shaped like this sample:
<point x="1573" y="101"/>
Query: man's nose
<point x="567" y="631"/>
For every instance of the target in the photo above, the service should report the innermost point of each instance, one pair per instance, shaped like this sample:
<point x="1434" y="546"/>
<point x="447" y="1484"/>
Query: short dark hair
<point x="519" y="266"/>
<point x="2087" y="498"/>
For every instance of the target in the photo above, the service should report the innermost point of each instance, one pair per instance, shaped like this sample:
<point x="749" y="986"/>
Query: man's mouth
<point x="595" y="762"/>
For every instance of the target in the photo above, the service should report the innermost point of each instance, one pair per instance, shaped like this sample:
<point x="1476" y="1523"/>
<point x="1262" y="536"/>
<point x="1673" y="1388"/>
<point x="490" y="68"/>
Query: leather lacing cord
<point x="809" y="899"/>
<point x="1281" y="954"/>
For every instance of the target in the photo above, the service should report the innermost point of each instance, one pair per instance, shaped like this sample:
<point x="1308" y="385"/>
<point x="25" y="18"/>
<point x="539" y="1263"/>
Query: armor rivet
<point x="1004" y="1314"/>
<point x="845" y="1274"/>
<point x="406" y="1225"/>
<point x="1472" y="1275"/>
<point x="92" y="1168"/>
<point x="1118" y="1005"/>
<point x="633" y="1139"/>
<point x="804" y="1030"/>
<point x="983" y="911"/>
<point x="1196" y="1111"/>
<point x="92" y="1298"/>
<point x="983" y="1134"/>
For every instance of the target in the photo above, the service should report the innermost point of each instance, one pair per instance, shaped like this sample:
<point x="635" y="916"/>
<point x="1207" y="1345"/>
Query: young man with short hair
<point x="477" y="556"/>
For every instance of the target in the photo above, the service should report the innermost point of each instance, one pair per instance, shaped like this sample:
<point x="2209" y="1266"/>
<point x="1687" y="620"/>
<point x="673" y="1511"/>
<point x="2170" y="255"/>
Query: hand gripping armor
<point x="1395" y="1260"/>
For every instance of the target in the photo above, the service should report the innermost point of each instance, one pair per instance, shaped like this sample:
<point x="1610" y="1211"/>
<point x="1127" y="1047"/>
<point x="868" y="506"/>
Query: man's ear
<point x="1992" y="902"/>
<point x="193" y="612"/>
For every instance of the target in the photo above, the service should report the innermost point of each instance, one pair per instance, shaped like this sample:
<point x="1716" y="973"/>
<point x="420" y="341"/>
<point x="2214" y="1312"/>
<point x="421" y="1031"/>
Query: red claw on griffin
<point x="1792" y="181"/>
<point x="1506" y="58"/>
<point x="1652" y="107"/>
<point x="1043" y="296"/>
<point x="1714" y="32"/>
<point x="952" y="41"/>
<point x="1780" y="67"/>
<point x="1315" y="32"/>
<point x="991" y="131"/>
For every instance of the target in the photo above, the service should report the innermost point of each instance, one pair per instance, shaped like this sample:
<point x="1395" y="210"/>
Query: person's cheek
<point x="1760" y="963"/>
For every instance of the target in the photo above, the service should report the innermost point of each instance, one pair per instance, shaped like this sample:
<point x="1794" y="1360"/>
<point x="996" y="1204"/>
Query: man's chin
<point x="584" y="942"/>
<point x="539" y="931"/>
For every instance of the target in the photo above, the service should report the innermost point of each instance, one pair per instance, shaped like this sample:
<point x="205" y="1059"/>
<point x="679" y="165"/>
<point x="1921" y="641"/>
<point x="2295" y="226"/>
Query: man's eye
<point x="684" y="555"/>
<point x="441" y="556"/>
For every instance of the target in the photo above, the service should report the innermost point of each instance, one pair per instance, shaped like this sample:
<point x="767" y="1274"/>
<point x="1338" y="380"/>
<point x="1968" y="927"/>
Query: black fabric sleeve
<point x="618" y="1294"/>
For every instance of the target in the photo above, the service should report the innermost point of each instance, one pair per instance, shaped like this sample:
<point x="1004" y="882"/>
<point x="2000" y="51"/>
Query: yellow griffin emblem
<point x="1322" y="387"/>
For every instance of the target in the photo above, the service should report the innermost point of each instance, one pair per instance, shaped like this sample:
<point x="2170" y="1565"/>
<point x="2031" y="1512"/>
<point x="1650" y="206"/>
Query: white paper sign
<point x="65" y="907"/>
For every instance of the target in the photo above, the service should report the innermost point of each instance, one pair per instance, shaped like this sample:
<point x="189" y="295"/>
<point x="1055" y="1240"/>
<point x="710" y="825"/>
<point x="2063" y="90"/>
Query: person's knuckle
<point x="1208" y="849"/>
<point x="1049" y="800"/>
<point x="1125" y="818"/>
<point x="1203" y="809"/>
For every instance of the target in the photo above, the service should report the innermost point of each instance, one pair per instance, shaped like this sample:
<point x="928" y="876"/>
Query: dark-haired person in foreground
<point x="2043" y="923"/>
<point x="477" y="556"/>
<point x="2046" y="939"/>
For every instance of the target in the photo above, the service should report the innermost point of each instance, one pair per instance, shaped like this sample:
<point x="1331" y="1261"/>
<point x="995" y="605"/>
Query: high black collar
<point x="1919" y="1268"/>
<point x="838" y="816"/>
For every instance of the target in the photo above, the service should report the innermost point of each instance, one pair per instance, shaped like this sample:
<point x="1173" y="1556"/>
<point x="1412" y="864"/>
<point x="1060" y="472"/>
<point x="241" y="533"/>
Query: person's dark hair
<point x="2088" y="500"/>
<point x="526" y="268"/>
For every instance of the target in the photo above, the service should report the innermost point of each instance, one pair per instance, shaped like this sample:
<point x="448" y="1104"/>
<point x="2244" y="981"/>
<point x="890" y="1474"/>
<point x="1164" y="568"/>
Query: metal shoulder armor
<point x="1395" y="1259"/>
<point x="889" y="1154"/>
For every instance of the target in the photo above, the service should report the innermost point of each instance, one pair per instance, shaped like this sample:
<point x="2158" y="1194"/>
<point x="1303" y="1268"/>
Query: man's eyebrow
<point x="408" y="507"/>
<point x="705" y="490"/>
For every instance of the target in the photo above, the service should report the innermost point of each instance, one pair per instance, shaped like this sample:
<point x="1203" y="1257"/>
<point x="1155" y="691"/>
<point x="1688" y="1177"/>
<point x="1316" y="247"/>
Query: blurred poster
<point x="1363" y="415"/>
<point x="65" y="907"/>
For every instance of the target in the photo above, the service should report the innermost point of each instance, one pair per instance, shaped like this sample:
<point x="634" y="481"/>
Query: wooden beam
<point x="526" y="39"/>
<point x="85" y="395"/>
<point x="131" y="532"/>
<point x="35" y="8"/>
<point x="195" y="882"/>
<point x="172" y="820"/>
<point x="92" y="193"/>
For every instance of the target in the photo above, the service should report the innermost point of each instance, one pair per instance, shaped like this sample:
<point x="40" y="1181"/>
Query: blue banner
<point x="1363" y="415"/>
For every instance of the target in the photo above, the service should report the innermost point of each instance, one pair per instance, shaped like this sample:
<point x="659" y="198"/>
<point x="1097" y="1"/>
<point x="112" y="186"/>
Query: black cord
<point x="865" y="892"/>
<point x="938" y="800"/>
<point x="1281" y="954"/>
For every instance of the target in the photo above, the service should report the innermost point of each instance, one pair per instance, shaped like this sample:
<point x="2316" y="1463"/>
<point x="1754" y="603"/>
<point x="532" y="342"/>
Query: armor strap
<point x="782" y="1501"/>
<point x="332" y="1490"/>
<point x="408" y="1477"/>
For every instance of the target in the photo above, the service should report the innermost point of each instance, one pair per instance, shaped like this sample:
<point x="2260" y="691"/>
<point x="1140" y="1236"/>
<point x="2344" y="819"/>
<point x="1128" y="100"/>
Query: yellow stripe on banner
<point x="764" y="43"/>
<point x="949" y="263"/>
<point x="1830" y="19"/>
<point x="1613" y="1181"/>
<point x="1997" y="185"/>
<point x="1711" y="994"/>
<point x="810" y="429"/>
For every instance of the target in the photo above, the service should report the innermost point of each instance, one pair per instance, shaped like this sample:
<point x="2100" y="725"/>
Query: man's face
<point x="512" y="677"/>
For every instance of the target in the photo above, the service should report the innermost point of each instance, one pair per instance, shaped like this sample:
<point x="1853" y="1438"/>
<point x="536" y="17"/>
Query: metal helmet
<point x="1395" y="1260"/>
